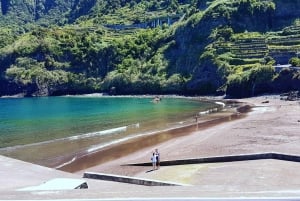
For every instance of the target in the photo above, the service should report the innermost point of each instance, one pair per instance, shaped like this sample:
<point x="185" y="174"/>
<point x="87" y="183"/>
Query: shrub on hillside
<point x="294" y="61"/>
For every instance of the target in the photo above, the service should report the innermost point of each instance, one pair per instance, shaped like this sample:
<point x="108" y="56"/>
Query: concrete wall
<point x="224" y="159"/>
<point x="130" y="180"/>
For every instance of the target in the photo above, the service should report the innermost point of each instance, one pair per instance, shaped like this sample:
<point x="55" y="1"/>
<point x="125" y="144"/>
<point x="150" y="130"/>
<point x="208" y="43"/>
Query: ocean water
<point x="52" y="130"/>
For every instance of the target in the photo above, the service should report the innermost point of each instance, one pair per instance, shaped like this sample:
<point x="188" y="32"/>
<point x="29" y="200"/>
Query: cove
<point x="53" y="130"/>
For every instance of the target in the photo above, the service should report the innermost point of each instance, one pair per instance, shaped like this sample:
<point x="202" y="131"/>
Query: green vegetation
<point x="157" y="47"/>
<point x="251" y="82"/>
<point x="295" y="61"/>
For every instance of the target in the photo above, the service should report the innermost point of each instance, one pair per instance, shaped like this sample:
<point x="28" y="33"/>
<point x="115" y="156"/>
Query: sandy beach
<point x="272" y="125"/>
<point x="234" y="110"/>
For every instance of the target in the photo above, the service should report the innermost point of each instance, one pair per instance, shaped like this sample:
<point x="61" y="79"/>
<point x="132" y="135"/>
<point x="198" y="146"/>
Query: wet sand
<point x="119" y="150"/>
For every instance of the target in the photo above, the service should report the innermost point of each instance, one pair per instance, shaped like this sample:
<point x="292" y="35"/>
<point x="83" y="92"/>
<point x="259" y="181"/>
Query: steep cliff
<point x="217" y="46"/>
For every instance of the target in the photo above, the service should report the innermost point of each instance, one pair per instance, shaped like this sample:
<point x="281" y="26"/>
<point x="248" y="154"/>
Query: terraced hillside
<point x="251" y="48"/>
<point x="285" y="44"/>
<point x="192" y="47"/>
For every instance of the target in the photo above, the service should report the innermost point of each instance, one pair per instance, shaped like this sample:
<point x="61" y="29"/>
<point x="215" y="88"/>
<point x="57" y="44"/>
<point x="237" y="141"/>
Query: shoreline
<point x="50" y="156"/>
<point x="258" y="129"/>
<point x="115" y="151"/>
<point x="272" y="126"/>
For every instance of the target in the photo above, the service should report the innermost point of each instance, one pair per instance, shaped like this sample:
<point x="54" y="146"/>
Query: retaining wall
<point x="230" y="158"/>
<point x="130" y="180"/>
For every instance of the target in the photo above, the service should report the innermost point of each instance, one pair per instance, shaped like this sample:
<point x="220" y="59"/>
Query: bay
<point x="54" y="130"/>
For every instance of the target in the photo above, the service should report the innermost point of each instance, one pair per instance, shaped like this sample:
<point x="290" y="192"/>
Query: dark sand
<point x="270" y="127"/>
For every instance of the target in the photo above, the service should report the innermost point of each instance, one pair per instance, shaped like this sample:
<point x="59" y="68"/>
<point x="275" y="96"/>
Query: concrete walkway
<point x="255" y="178"/>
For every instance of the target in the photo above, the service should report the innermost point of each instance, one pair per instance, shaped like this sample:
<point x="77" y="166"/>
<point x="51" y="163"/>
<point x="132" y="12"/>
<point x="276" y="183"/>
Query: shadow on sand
<point x="149" y="171"/>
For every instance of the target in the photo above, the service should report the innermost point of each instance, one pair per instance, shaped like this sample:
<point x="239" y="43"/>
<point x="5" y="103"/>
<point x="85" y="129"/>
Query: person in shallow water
<point x="157" y="99"/>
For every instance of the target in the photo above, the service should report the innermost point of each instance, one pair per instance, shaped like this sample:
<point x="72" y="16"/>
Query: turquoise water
<point x="50" y="128"/>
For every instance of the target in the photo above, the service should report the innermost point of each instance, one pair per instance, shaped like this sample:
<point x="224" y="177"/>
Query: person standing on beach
<point x="154" y="161"/>
<point x="157" y="158"/>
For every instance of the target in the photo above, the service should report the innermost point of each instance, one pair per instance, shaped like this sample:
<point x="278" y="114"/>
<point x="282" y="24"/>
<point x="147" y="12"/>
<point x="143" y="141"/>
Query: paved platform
<point x="244" y="179"/>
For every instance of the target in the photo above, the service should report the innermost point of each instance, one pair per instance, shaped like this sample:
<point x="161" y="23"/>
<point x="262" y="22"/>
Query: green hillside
<point x="190" y="47"/>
